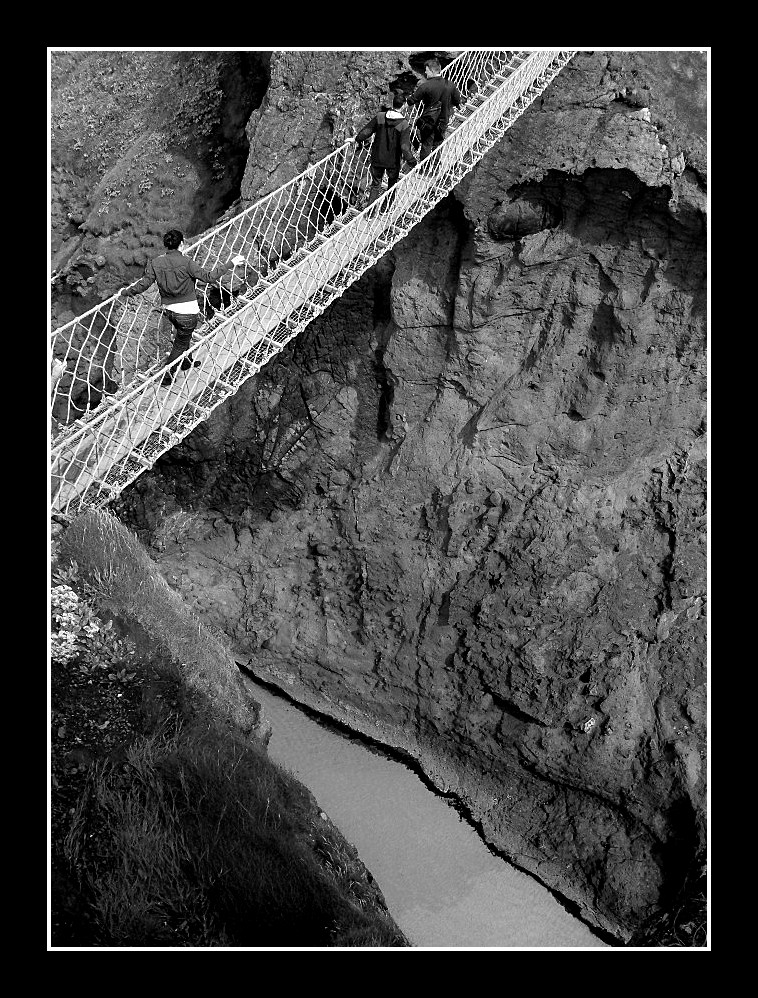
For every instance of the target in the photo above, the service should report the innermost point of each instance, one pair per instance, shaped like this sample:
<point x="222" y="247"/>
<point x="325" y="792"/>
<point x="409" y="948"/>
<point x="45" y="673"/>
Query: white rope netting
<point x="303" y="245"/>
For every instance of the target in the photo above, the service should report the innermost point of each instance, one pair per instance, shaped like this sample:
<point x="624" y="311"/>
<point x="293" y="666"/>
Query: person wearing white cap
<point x="392" y="135"/>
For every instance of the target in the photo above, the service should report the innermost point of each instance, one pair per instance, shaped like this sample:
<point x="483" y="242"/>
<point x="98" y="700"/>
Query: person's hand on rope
<point x="238" y="260"/>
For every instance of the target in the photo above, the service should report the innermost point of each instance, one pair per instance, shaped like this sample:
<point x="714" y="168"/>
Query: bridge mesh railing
<point x="303" y="244"/>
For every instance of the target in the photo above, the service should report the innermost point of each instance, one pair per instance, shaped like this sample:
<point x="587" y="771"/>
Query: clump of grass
<point x="201" y="841"/>
<point x="685" y="922"/>
<point x="112" y="561"/>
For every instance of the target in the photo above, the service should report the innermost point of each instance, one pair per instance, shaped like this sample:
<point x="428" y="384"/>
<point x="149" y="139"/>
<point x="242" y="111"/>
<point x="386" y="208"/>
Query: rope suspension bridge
<point x="306" y="243"/>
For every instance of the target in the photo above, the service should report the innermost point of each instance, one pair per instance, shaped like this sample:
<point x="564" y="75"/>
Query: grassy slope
<point x="170" y="825"/>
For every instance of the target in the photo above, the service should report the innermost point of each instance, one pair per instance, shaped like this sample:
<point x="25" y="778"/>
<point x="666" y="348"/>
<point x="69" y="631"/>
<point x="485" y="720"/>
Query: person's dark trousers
<point x="184" y="326"/>
<point x="438" y="135"/>
<point x="377" y="172"/>
<point x="427" y="132"/>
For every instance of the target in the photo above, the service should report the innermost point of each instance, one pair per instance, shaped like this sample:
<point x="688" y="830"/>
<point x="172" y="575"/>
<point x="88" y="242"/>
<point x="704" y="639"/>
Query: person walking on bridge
<point x="436" y="96"/>
<point x="391" y="145"/>
<point x="176" y="274"/>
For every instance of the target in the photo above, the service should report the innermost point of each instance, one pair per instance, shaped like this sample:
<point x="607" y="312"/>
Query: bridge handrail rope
<point x="96" y="457"/>
<point x="96" y="327"/>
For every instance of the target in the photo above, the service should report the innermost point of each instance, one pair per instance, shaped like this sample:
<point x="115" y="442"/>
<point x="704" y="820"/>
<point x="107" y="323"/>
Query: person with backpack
<point x="392" y="144"/>
<point x="436" y="96"/>
<point x="175" y="274"/>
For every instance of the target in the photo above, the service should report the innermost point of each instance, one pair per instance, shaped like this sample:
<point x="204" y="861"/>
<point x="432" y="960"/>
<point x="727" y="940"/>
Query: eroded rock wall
<point x="314" y="102"/>
<point x="464" y="510"/>
<point x="140" y="142"/>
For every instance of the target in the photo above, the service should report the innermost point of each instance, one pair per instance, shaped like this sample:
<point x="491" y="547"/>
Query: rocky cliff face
<point x="314" y="101"/>
<point x="141" y="142"/>
<point x="464" y="510"/>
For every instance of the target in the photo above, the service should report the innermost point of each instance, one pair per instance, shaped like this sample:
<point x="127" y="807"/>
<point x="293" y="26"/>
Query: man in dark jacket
<point x="392" y="142"/>
<point x="175" y="275"/>
<point x="436" y="95"/>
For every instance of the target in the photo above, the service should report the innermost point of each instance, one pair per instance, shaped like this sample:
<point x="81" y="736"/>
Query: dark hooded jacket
<point x="392" y="140"/>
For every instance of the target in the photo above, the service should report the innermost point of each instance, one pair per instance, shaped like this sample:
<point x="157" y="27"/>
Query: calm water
<point x="442" y="885"/>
